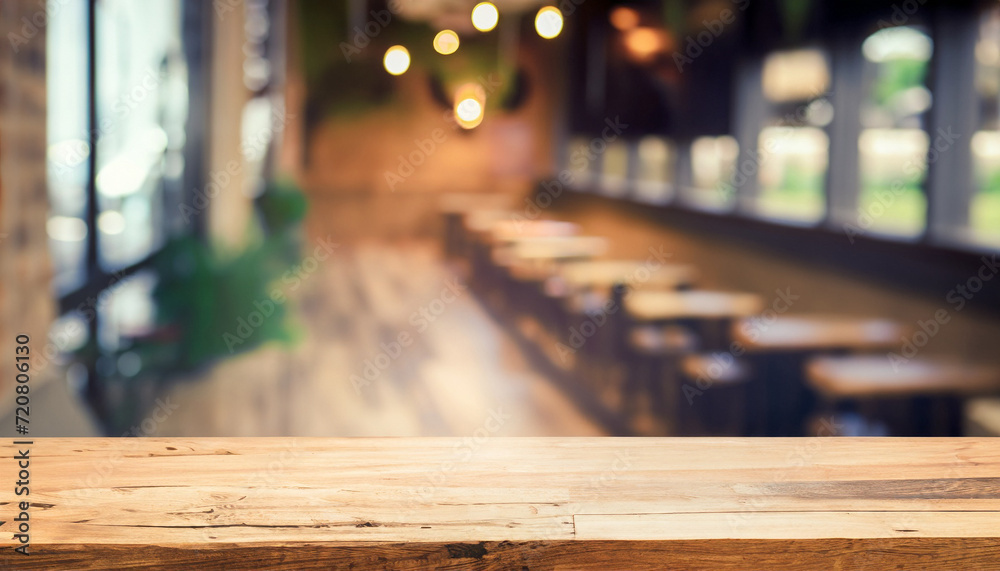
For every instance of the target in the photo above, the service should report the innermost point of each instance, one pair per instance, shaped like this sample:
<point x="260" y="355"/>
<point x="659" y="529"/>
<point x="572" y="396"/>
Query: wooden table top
<point x="464" y="203"/>
<point x="498" y="503"/>
<point x="512" y="230"/>
<point x="607" y="273"/>
<point x="817" y="332"/>
<point x="529" y="249"/>
<point x="480" y="221"/>
<point x="694" y="304"/>
<point x="877" y="375"/>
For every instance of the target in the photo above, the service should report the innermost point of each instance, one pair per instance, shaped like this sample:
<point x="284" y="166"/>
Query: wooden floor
<point x="508" y="503"/>
<point x="459" y="376"/>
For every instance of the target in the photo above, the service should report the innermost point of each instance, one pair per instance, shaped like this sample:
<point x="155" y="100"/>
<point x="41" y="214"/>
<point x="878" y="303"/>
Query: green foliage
<point x="201" y="296"/>
<point x="896" y="76"/>
<point x="798" y="179"/>
<point x="344" y="73"/>
<point x="992" y="183"/>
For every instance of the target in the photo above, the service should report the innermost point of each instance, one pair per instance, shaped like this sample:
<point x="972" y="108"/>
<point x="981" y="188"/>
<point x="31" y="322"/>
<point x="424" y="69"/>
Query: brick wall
<point x="26" y="300"/>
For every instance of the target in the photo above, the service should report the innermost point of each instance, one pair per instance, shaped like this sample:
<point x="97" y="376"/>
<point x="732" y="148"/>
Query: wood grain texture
<point x="502" y="503"/>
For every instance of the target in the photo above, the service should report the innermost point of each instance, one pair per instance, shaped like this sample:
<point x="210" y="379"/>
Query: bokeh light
<point x="624" y="18"/>
<point x="549" y="22"/>
<point x="485" y="16"/>
<point x="396" y="60"/>
<point x="446" y="42"/>
<point x="470" y="105"/>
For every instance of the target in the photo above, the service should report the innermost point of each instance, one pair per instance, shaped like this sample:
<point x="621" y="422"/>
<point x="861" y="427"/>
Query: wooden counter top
<point x="508" y="503"/>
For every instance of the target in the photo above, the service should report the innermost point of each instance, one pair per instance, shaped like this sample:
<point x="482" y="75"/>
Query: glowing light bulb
<point x="549" y="22"/>
<point x="446" y="42"/>
<point x="470" y="105"/>
<point x="468" y="110"/>
<point x="485" y="16"/>
<point x="396" y="60"/>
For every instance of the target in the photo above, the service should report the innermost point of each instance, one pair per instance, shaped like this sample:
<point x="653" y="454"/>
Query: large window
<point x="580" y="162"/>
<point x="615" y="168"/>
<point x="893" y="144"/>
<point x="887" y="132"/>
<point x="655" y="161"/>
<point x="68" y="144"/>
<point x="119" y="143"/>
<point x="713" y="173"/>
<point x="141" y="103"/>
<point x="984" y="209"/>
<point x="793" y="147"/>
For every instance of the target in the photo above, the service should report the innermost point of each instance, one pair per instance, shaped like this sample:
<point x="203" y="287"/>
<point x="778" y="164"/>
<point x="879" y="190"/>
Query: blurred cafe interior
<point x="520" y="218"/>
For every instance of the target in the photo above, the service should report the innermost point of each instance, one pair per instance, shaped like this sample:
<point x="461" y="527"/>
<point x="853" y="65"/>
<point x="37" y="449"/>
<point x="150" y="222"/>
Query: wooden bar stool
<point x="918" y="397"/>
<point x="476" y="226"/>
<point x="578" y="288"/>
<point x="649" y="392"/>
<point x="517" y="274"/>
<point x="528" y="262"/>
<point x="706" y="315"/>
<point x="454" y="207"/>
<point x="777" y="349"/>
<point x="713" y="396"/>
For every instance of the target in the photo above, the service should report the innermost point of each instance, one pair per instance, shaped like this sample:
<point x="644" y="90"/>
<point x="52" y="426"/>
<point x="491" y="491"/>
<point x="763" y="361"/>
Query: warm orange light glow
<point x="624" y="18"/>
<point x="470" y="105"/>
<point x="644" y="43"/>
<point x="446" y="42"/>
